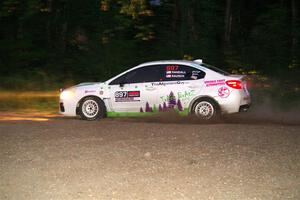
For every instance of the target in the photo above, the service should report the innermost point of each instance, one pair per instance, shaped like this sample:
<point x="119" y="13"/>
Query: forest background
<point x="49" y="44"/>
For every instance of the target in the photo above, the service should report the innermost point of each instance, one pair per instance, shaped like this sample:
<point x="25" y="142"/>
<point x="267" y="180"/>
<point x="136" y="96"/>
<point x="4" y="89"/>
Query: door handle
<point x="193" y="86"/>
<point x="150" y="88"/>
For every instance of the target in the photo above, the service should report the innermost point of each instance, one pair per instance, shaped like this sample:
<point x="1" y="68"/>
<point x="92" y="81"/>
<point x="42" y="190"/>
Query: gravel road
<point x="146" y="159"/>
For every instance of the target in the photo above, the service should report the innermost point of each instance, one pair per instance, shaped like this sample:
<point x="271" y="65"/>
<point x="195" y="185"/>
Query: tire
<point x="206" y="109"/>
<point x="91" y="108"/>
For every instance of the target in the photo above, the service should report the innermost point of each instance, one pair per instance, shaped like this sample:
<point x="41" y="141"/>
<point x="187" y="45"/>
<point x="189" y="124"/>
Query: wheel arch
<point x="203" y="97"/>
<point x="82" y="98"/>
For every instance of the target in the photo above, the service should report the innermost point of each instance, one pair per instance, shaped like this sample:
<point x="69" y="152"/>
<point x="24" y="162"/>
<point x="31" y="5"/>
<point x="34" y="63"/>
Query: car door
<point x="178" y="85"/>
<point x="129" y="93"/>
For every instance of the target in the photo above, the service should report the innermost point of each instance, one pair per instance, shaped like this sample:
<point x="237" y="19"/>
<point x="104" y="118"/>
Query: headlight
<point x="67" y="94"/>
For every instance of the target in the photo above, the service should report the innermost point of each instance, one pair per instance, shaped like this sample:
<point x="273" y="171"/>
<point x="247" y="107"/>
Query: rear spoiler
<point x="237" y="76"/>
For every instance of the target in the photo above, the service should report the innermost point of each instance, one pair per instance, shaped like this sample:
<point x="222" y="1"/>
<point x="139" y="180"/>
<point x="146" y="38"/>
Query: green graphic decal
<point x="170" y="102"/>
<point x="185" y="95"/>
<point x="185" y="112"/>
<point x="128" y="114"/>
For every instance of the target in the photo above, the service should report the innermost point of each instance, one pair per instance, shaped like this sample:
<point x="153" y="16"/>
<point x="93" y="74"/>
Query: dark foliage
<point x="46" y="44"/>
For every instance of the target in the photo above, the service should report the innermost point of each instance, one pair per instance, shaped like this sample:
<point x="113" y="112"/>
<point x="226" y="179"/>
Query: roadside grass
<point x="277" y="99"/>
<point x="129" y="114"/>
<point x="29" y="101"/>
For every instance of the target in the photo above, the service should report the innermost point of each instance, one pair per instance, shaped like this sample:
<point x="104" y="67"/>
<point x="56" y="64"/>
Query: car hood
<point x="85" y="86"/>
<point x="88" y="84"/>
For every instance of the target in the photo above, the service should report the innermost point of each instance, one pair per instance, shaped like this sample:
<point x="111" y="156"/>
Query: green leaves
<point x="136" y="9"/>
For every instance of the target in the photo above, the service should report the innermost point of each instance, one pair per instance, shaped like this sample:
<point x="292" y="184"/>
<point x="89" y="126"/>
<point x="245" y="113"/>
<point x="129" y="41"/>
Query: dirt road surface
<point x="121" y="158"/>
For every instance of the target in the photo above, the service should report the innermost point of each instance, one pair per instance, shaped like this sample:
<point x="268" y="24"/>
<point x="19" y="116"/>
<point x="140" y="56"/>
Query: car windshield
<point x="215" y="69"/>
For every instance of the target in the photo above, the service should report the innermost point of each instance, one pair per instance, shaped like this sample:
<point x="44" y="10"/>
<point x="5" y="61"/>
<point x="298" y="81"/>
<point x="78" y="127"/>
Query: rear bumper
<point x="244" y="108"/>
<point x="236" y="102"/>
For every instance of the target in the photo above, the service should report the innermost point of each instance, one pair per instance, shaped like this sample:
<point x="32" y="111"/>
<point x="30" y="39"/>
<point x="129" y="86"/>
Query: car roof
<point x="179" y="62"/>
<point x="167" y="61"/>
<point x="159" y="62"/>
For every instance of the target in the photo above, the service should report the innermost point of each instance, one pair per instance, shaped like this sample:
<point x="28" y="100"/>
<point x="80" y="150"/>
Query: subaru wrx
<point x="188" y="87"/>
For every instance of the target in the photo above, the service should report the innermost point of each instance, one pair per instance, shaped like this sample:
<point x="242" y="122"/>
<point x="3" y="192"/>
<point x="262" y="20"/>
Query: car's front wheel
<point x="205" y="109"/>
<point x="92" y="108"/>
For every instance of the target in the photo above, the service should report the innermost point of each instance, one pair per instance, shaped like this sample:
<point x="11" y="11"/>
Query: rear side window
<point x="180" y="73"/>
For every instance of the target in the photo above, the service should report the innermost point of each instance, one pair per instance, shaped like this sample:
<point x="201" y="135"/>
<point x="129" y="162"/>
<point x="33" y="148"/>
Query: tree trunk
<point x="184" y="8"/>
<point x="20" y="23"/>
<point x="64" y="29"/>
<point x="294" y="31"/>
<point x="191" y="20"/>
<point x="48" y="24"/>
<point x="228" y="21"/>
<point x="49" y="5"/>
<point x="64" y="37"/>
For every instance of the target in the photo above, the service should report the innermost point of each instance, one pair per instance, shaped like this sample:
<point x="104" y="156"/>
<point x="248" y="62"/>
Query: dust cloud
<point x="264" y="111"/>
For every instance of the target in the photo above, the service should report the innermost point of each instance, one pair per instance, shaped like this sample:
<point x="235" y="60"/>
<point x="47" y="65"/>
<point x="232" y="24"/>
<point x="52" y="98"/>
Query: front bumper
<point x="67" y="107"/>
<point x="61" y="107"/>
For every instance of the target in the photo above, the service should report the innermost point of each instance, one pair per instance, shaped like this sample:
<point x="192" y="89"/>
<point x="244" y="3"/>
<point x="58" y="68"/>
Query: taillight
<point x="236" y="84"/>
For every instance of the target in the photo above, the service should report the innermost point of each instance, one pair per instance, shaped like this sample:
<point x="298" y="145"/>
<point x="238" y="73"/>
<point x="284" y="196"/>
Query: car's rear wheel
<point x="205" y="109"/>
<point x="91" y="108"/>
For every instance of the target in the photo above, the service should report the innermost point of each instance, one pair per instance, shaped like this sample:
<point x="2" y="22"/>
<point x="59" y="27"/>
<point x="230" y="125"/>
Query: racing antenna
<point x="199" y="61"/>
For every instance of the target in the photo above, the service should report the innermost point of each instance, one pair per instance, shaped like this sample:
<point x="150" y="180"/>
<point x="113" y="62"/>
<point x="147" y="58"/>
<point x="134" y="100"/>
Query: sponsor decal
<point x="127" y="96"/>
<point x="172" y="71"/>
<point x="223" y="92"/>
<point x="195" y="75"/>
<point x="168" y="104"/>
<point x="172" y="68"/>
<point x="175" y="76"/>
<point x="211" y="83"/>
<point x="169" y="83"/>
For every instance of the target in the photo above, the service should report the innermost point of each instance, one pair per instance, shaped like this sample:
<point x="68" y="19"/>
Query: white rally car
<point x="188" y="87"/>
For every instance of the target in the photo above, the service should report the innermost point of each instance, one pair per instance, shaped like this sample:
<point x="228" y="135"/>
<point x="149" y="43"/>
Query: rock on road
<point x="130" y="159"/>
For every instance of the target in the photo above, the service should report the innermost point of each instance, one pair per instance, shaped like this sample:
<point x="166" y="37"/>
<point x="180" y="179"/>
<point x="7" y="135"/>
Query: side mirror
<point x="121" y="84"/>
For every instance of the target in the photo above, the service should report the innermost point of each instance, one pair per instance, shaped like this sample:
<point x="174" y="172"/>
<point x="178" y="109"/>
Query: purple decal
<point x="179" y="105"/>
<point x="160" y="109"/>
<point x="223" y="92"/>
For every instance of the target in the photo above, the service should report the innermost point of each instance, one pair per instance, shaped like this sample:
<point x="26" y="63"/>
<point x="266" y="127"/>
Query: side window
<point x="140" y="75"/>
<point x="180" y="73"/>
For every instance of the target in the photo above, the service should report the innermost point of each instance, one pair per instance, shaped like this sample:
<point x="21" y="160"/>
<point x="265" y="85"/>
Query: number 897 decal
<point x="127" y="96"/>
